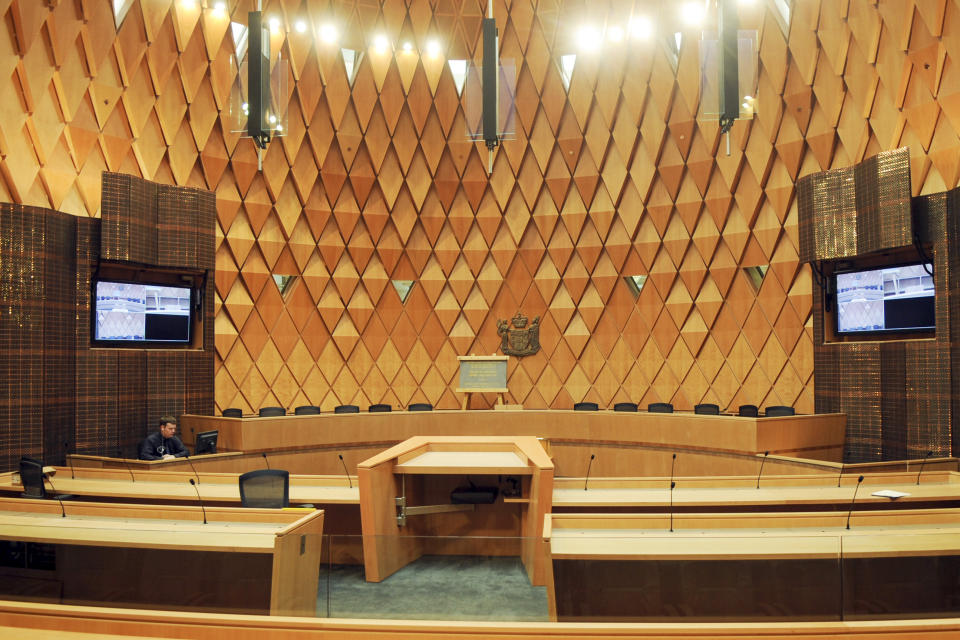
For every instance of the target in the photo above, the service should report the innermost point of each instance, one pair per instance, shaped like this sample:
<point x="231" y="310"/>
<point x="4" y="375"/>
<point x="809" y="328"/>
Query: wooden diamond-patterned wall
<point x="376" y="181"/>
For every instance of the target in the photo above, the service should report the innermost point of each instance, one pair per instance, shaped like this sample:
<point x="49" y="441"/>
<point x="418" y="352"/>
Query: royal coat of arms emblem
<point x="521" y="340"/>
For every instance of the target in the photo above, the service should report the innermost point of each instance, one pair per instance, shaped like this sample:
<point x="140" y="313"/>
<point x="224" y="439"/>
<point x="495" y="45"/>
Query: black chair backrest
<point x="625" y="406"/>
<point x="778" y="410"/>
<point x="420" y="406"/>
<point x="748" y="411"/>
<point x="306" y="410"/>
<point x="586" y="406"/>
<point x="265" y="489"/>
<point x="379" y="408"/>
<point x="660" y="407"/>
<point x="270" y="412"/>
<point x="346" y="408"/>
<point x="233" y="412"/>
<point x="31" y="477"/>
<point x="707" y="409"/>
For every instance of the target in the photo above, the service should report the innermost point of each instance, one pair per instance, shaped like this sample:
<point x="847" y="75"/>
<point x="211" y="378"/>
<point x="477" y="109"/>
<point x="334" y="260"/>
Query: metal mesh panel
<point x="883" y="202"/>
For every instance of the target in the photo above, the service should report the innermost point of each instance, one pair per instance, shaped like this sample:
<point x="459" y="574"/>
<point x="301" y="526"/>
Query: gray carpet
<point x="435" y="588"/>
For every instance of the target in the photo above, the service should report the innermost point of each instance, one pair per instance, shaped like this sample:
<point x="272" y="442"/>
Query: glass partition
<point x="576" y="577"/>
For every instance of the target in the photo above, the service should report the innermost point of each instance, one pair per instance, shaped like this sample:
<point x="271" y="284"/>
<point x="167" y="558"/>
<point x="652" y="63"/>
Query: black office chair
<point x="31" y="478"/>
<point x="379" y="408"/>
<point x="625" y="406"/>
<point x="748" y="411"/>
<point x="707" y="409"/>
<point x="265" y="489"/>
<point x="586" y="406"/>
<point x="660" y="407"/>
<point x="233" y="412"/>
<point x="306" y="410"/>
<point x="272" y="412"/>
<point x="420" y="406"/>
<point x="777" y="411"/>
<point x="346" y="408"/>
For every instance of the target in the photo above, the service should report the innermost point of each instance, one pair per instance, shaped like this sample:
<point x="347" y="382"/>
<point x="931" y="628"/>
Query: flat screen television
<point x="887" y="299"/>
<point x="206" y="442"/>
<point x="139" y="313"/>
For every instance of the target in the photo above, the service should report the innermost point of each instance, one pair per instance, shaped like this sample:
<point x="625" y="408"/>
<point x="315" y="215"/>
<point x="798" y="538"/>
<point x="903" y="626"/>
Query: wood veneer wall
<point x="376" y="181"/>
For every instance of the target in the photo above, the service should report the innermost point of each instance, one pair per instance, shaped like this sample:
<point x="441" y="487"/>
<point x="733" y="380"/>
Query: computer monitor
<point x="206" y="442"/>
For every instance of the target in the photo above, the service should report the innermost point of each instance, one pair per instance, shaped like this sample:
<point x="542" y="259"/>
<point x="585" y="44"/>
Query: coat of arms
<point x="521" y="340"/>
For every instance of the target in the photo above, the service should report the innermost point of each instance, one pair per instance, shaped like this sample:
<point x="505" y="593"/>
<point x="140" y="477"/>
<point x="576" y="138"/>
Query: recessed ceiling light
<point x="615" y="34"/>
<point x="300" y="26"/>
<point x="380" y="43"/>
<point x="588" y="38"/>
<point x="433" y="48"/>
<point x="693" y="13"/>
<point x="328" y="33"/>
<point x="407" y="46"/>
<point x="641" y="27"/>
<point x="274" y="24"/>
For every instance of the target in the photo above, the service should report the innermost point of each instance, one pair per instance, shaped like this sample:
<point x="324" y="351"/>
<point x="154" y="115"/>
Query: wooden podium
<point x="397" y="487"/>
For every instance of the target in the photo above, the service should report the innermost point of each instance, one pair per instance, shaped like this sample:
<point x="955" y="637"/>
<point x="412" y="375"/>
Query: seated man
<point x="163" y="445"/>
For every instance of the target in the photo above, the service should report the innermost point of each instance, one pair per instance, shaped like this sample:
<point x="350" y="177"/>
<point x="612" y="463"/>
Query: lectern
<point x="398" y="486"/>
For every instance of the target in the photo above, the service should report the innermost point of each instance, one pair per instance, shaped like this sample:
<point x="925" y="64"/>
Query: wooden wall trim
<point x="134" y="623"/>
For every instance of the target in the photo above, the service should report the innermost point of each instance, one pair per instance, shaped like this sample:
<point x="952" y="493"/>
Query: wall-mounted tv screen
<point x="136" y="312"/>
<point x="885" y="299"/>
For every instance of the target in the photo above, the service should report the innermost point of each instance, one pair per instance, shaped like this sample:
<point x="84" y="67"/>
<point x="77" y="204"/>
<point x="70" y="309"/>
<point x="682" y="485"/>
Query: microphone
<point x="66" y="450"/>
<point x="264" y="454"/>
<point x="850" y="513"/>
<point x="589" y="464"/>
<point x="187" y="456"/>
<point x="929" y="453"/>
<point x="672" y="463"/>
<point x="842" y="463"/>
<point x="200" y="500"/>
<point x="63" y="512"/>
<point x="765" y="454"/>
<point x="672" y="485"/>
<point x="345" y="472"/>
<point x="127" y="465"/>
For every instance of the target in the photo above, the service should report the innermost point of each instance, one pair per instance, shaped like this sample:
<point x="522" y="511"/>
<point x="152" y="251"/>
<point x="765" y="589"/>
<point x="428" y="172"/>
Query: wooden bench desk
<point x="241" y="560"/>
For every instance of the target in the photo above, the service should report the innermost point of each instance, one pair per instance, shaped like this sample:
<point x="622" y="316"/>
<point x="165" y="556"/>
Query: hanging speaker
<point x="728" y="28"/>
<point x="258" y="79"/>
<point x="490" y="84"/>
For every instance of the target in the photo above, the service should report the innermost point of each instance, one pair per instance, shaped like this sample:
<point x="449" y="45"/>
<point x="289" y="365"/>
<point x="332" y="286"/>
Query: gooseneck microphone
<point x="186" y="455"/>
<point x="200" y="500"/>
<point x="345" y="472"/>
<point x="587" y="478"/>
<point x="66" y="451"/>
<point x="264" y="454"/>
<point x="63" y="512"/>
<point x="127" y="465"/>
<point x="929" y="453"/>
<point x="765" y="454"/>
<point x="672" y="464"/>
<point x="850" y="513"/>
<point x="842" y="463"/>
<point x="672" y="485"/>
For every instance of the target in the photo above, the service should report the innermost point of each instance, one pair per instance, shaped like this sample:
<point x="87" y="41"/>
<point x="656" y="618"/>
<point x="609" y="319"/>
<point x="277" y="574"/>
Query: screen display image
<point x="138" y="312"/>
<point x="886" y="299"/>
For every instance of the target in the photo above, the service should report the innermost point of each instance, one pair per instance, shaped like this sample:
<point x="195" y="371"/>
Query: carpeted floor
<point x="435" y="588"/>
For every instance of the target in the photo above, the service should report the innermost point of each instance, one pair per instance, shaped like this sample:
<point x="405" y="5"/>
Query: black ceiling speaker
<point x="258" y="80"/>
<point x="490" y="84"/>
<point x="728" y="28"/>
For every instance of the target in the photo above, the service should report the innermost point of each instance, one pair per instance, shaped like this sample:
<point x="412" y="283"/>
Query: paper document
<point x="889" y="493"/>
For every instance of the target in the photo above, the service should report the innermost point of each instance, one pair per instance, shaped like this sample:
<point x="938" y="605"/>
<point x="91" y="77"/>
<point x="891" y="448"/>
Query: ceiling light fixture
<point x="588" y="38"/>
<point x="641" y="28"/>
<point x="380" y="43"/>
<point x="300" y="26"/>
<point x="693" y="14"/>
<point x="328" y="33"/>
<point x="433" y="48"/>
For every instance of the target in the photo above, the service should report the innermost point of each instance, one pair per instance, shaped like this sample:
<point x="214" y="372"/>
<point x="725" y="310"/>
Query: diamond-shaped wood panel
<point x="606" y="176"/>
